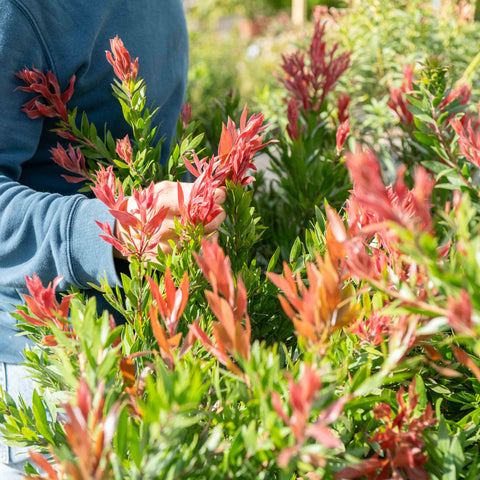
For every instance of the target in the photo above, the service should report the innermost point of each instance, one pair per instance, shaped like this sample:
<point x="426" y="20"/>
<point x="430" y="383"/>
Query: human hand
<point x="167" y="197"/>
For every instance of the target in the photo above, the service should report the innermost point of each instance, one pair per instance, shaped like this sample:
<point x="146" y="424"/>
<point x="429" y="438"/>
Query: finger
<point x="215" y="223"/>
<point x="168" y="227"/>
<point x="169" y="234"/>
<point x="167" y="195"/>
<point x="220" y="195"/>
<point x="167" y="247"/>
<point x="168" y="223"/>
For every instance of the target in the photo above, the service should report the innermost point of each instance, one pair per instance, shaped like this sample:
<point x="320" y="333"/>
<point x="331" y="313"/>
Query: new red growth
<point x="229" y="305"/>
<point x="302" y="396"/>
<point x="170" y="307"/>
<point x="125" y="69"/>
<point x="50" y="101"/>
<point x="401" y="453"/>
<point x="321" y="307"/>
<point x="44" y="307"/>
<point x="309" y="82"/>
<point x="71" y="160"/>
<point x="236" y="150"/>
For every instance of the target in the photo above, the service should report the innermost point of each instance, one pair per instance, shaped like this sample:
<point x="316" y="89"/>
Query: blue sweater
<point x="45" y="226"/>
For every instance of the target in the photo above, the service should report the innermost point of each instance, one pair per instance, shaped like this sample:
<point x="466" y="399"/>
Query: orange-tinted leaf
<point x="156" y="221"/>
<point x="305" y="329"/>
<point x="187" y="344"/>
<point x="126" y="219"/>
<point x="42" y="462"/>
<point x="446" y="372"/>
<point x="242" y="342"/>
<point x="184" y="288"/>
<point x="286" y="307"/>
<point x="127" y="369"/>
<point x="224" y="341"/>
<point x="97" y="449"/>
<point x="223" y="311"/>
<point x="49" y="341"/>
<point x="466" y="360"/>
<point x="432" y="352"/>
<point x="175" y="340"/>
<point x="158" y="330"/>
<point x="157" y="296"/>
<point x="226" y="142"/>
<point x="243" y="118"/>
<point x="207" y="343"/>
<point x="241" y="300"/>
<point x="169" y="289"/>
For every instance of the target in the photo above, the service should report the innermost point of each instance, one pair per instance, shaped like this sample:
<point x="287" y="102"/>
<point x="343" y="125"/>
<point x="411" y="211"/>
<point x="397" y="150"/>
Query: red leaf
<point x="465" y="360"/>
<point x="324" y="435"/>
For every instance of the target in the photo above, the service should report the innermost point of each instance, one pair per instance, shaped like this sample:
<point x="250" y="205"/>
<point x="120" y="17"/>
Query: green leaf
<point x="93" y="132"/>
<point x="41" y="417"/>
<point x="435" y="166"/>
<point x="103" y="370"/>
<point x="273" y="261"/>
<point x="120" y="163"/>
<point x="443" y="117"/>
<point x="416" y="103"/>
<point x="140" y="124"/>
<point x="424" y="138"/>
<point x="453" y="460"/>
<point x="85" y="128"/>
<point x="295" y="250"/>
<point x="196" y="141"/>
<point x="110" y="142"/>
<point x="421" y="391"/>
<point x="29" y="434"/>
<point x="121" y="434"/>
<point x="423" y="120"/>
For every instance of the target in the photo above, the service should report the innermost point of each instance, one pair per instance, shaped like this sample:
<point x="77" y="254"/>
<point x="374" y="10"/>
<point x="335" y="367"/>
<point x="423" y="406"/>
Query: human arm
<point x="41" y="232"/>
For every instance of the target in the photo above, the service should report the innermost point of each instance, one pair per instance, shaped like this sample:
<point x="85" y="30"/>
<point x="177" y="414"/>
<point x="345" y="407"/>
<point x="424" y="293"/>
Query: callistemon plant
<point x="126" y="178"/>
<point x="307" y="162"/>
<point x="358" y="359"/>
<point x="135" y="160"/>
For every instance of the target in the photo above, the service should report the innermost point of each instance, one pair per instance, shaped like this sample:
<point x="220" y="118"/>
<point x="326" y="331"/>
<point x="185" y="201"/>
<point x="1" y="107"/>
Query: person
<point x="46" y="227"/>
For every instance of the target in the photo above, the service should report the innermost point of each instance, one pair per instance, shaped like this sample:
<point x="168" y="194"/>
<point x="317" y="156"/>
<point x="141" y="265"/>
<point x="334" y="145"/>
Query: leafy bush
<point x="358" y="355"/>
<point x="384" y="37"/>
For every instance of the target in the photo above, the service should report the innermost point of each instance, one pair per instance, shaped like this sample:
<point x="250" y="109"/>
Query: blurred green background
<point x="237" y="44"/>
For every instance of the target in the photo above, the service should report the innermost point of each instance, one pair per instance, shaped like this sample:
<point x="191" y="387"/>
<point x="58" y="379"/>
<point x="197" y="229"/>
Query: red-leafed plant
<point x="329" y="328"/>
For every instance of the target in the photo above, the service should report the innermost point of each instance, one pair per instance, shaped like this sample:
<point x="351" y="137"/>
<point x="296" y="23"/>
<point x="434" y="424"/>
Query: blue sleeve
<point x="44" y="233"/>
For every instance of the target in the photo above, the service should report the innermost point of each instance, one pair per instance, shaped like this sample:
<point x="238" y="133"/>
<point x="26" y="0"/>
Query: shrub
<point x="357" y="355"/>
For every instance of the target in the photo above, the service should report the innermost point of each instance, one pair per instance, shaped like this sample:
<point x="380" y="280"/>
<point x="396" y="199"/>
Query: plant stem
<point x="140" y="289"/>
<point x="446" y="149"/>
<point x="442" y="312"/>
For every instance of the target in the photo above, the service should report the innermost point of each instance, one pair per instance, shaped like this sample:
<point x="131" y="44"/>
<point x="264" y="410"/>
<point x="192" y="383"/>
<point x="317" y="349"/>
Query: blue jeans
<point x="14" y="379"/>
